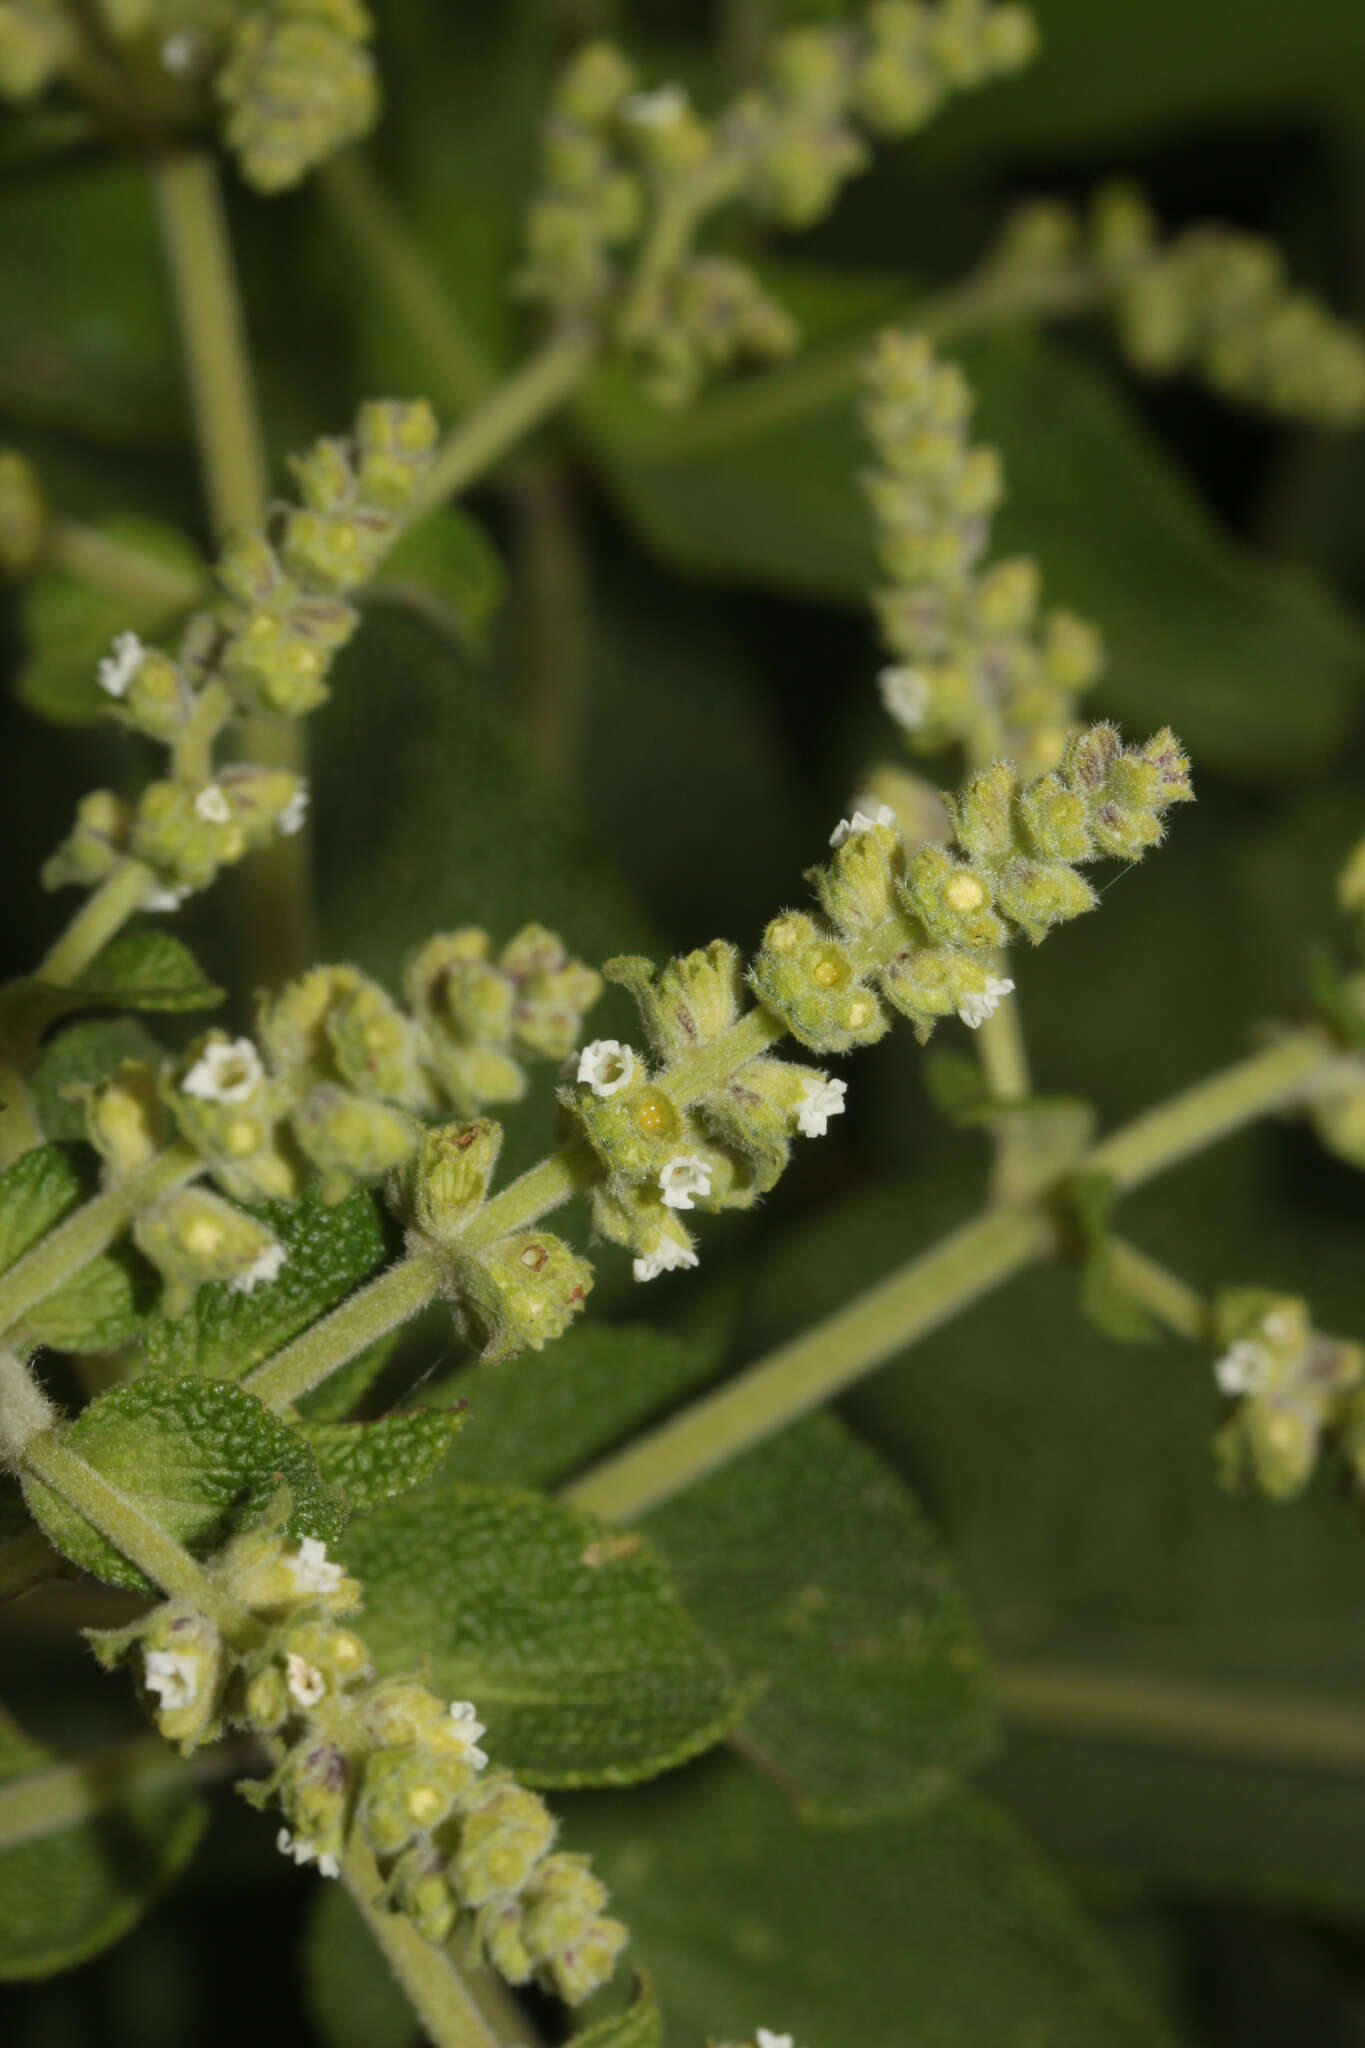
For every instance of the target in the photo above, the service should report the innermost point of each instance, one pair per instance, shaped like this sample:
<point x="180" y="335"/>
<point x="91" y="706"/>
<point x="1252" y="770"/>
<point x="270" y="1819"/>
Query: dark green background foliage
<point x="1042" y="1491"/>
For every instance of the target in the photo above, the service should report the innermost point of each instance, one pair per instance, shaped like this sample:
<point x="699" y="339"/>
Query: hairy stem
<point x="542" y="384"/>
<point x="439" y="1995"/>
<point x="552" y="583"/>
<point x="275" y="883"/>
<point x="394" y="1298"/>
<point x="1162" y="1293"/>
<point x="120" y="570"/>
<point x="104" y="912"/>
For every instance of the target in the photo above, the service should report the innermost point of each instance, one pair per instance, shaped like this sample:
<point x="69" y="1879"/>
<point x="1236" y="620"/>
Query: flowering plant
<point x="599" y="1658"/>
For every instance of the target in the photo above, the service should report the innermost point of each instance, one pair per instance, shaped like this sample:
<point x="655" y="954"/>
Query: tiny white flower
<point x="848" y="828"/>
<point x="1278" y="1325"/>
<point x="906" y="694"/>
<point x="683" y="1176"/>
<point x="261" y="1272"/>
<point x="178" y="51"/>
<point x="657" y="109"/>
<point x="227" y="1070"/>
<point x="120" y="665"/>
<point x="312" y="1571"/>
<point x="304" y="1851"/>
<point x="306" y="1683"/>
<point x="667" y="1257"/>
<point x="468" y="1727"/>
<point x="766" y="2039"/>
<point x="976" y="1008"/>
<point x="607" y="1066"/>
<point x="820" y="1100"/>
<point x="212" y="806"/>
<point x="291" y="818"/>
<point x="1243" y="1369"/>
<point x="172" y="1675"/>
<point x="164" y="898"/>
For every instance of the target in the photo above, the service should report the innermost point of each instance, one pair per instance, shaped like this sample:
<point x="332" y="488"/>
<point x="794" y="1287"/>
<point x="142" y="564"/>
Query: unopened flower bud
<point x="520" y="1293"/>
<point x="805" y="976"/>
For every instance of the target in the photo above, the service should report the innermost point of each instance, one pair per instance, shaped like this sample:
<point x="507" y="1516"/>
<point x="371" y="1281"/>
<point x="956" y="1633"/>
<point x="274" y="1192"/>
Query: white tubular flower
<point x="304" y="1851"/>
<point x="306" y="1683"/>
<point x="906" y="694"/>
<point x="178" y="52"/>
<point x="120" y="665"/>
<point x="820" y="1101"/>
<point x="227" y="1070"/>
<point x="1244" y="1368"/>
<point x="657" y="109"/>
<point x="682" y="1177"/>
<point x="212" y="806"/>
<point x="668" y="1256"/>
<point x="848" y="828"/>
<point x="174" y="1677"/>
<point x="295" y="812"/>
<point x="468" y="1729"/>
<point x="311" y="1569"/>
<point x="162" y="898"/>
<point x="765" y="2039"/>
<point x="607" y="1066"/>
<point x="261" y="1272"/>
<point x="976" y="1008"/>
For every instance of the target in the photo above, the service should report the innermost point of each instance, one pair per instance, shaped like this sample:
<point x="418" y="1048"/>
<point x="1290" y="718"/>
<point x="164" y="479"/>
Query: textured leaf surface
<point x="641" y="2025"/>
<point x="70" y="624"/>
<point x="569" y="1636"/>
<point x="809" y="1564"/>
<point x="66" y="1896"/>
<point x="946" y="1932"/>
<point x="148" y="970"/>
<point x="200" y="1457"/>
<point x="101" y="1308"/>
<point x="36" y="1191"/>
<point x="82" y="1055"/>
<point x="376" y="1461"/>
<point x="353" y="1999"/>
<point x="1258" y="667"/>
<point x="328" y="1252"/>
<point x="448" y="571"/>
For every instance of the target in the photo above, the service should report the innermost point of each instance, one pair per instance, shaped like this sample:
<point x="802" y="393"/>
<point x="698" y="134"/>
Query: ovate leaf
<point x="36" y="1191"/>
<point x="447" y="570"/>
<point x="65" y="1896"/>
<point x="147" y="970"/>
<point x="81" y="1056"/>
<point x="226" y="1333"/>
<point x="201" y="1457"/>
<point x="101" y="1308"/>
<point x="809" y="1564"/>
<point x="570" y="1636"/>
<point x="376" y="1461"/>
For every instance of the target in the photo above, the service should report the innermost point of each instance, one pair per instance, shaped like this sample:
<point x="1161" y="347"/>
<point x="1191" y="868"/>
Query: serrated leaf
<point x="376" y="1461"/>
<point x="82" y="1056"/>
<point x="66" y="1896"/>
<point x="69" y="624"/>
<point x="808" y="1562"/>
<point x="147" y="970"/>
<point x="447" y="570"/>
<point x="946" y="1932"/>
<point x="201" y="1457"/>
<point x="101" y="1308"/>
<point x="352" y="1997"/>
<point x="36" y="1191"/>
<point x="641" y="2025"/>
<point x="569" y="1635"/>
<point x="226" y="1333"/>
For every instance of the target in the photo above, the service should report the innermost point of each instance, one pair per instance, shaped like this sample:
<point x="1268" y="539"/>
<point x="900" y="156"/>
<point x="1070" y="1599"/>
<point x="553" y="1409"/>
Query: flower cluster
<point x="974" y="661"/>
<point x="382" y="1759"/>
<point x="266" y="645"/>
<point x="624" y="166"/>
<point x="298" y="83"/>
<point x="1289" y="1386"/>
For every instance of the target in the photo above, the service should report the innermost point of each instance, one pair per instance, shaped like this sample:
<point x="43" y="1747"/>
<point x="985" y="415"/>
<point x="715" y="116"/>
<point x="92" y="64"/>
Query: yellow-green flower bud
<point x="192" y="1236"/>
<point x="637" y="1218"/>
<point x="519" y="1294"/>
<point x="267" y="1701"/>
<point x="501" y="1841"/>
<point x="348" y="1137"/>
<point x="403" y="434"/>
<point x="422" y="1893"/>
<point x="446" y="1183"/>
<point x="402" y="1711"/>
<point x="665" y="130"/>
<point x="1037" y="894"/>
<point x="158" y="700"/>
<point x="1006" y="596"/>
<point x="98" y="841"/>
<point x="499" y="1934"/>
<point x="895" y="92"/>
<point x="25" y="520"/>
<point x="298" y="85"/>
<point x="857" y="886"/>
<point x="338" y="1654"/>
<point x="633" y="1128"/>
<point x="806" y="977"/>
<point x="325" y="475"/>
<point x="1073" y="651"/>
<point x="1056" y="820"/>
<point x="563" y="1900"/>
<point x="919" y="808"/>
<point x="687" y="1003"/>
<point x="408" y="1792"/>
<point x="550" y="992"/>
<point x="314" y="1793"/>
<point x="226" y="1108"/>
<point x="1123" y="228"/>
<point x="374" y="1045"/>
<point x="575" y="1973"/>
<point x="125" y="1119"/>
<point x="276" y="1577"/>
<point x="952" y="900"/>
<point x="593" y="83"/>
<point x="183" y="1668"/>
<point x="248" y="571"/>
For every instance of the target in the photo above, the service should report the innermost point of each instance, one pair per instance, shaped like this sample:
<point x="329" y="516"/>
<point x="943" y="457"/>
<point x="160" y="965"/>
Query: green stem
<point x="394" y="1298"/>
<point x="276" y="883"/>
<point x="121" y="571"/>
<point x="427" y="1974"/>
<point x="1270" y="1726"/>
<point x="552" y="588"/>
<point x="401" y="269"/>
<point x="60" y="1255"/>
<point x="1162" y="1293"/>
<point x="537" y="389"/>
<point x="545" y="1187"/>
<point x="44" y="1802"/>
<point x="192" y="756"/>
<point x="104" y="912"/>
<point x="816" y="1365"/>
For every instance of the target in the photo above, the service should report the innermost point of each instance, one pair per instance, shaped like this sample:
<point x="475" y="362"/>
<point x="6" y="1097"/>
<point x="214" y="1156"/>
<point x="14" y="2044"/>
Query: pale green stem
<point x="391" y="1300"/>
<point x="1270" y="1726"/>
<point x="401" y="269"/>
<point x="192" y="755"/>
<point x="91" y="1229"/>
<point x="119" y="570"/>
<point x="276" y="886"/>
<point x="427" y="1974"/>
<point x="104" y="912"/>
<point x="62" y="1796"/>
<point x="545" y="1187"/>
<point x="542" y="384"/>
<point x="1162" y="1293"/>
<point x="817" y="1365"/>
<point x="552" y="586"/>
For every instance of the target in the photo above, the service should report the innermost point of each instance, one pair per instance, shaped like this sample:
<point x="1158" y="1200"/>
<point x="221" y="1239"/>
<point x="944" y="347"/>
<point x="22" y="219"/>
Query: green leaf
<point x="1257" y="666"/>
<point x="808" y="1563"/>
<point x="376" y="1461"/>
<point x="101" y="1308"/>
<point x="36" y="1191"/>
<point x="69" y="624"/>
<point x="201" y="1457"/>
<point x="641" y="2025"/>
<point x="447" y="570"/>
<point x="946" y="1932"/>
<point x="82" y="1056"/>
<point x="66" y="1896"/>
<point x="569" y="1635"/>
<point x="353" y="1999"/>
<point x="147" y="970"/>
<point x="226" y="1333"/>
